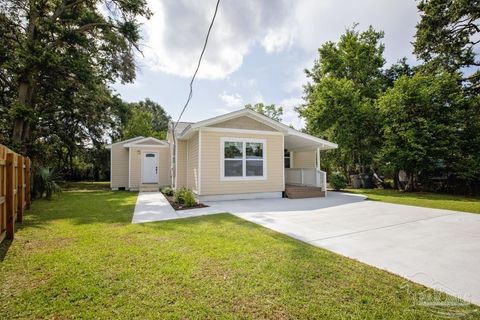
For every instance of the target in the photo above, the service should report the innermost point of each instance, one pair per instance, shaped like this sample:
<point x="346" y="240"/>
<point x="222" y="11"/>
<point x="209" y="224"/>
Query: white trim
<point x="109" y="146"/>
<point x="129" y="166"/>
<point x="147" y="146"/>
<point x="176" y="164"/>
<point x="291" y="158"/>
<point x="244" y="159"/>
<point x="241" y="196"/>
<point x="233" y="130"/>
<point x="137" y="143"/>
<point x="199" y="175"/>
<point x="188" y="163"/>
<point x="283" y="162"/>
<point x="141" y="168"/>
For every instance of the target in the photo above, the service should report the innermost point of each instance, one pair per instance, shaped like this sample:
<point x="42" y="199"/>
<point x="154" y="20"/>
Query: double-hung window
<point x="243" y="158"/>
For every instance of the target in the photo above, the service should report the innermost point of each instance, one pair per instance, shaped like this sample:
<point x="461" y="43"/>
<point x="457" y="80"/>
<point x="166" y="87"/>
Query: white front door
<point x="150" y="167"/>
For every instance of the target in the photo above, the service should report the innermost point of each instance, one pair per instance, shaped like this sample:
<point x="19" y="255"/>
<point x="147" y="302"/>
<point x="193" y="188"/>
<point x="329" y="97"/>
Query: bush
<point x="168" y="191"/>
<point x="337" y="181"/>
<point x="185" y="197"/>
<point x="46" y="182"/>
<point x="189" y="199"/>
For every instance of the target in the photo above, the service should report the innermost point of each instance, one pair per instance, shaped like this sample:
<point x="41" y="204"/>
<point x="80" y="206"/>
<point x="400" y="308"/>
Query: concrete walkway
<point x="437" y="248"/>
<point x="153" y="206"/>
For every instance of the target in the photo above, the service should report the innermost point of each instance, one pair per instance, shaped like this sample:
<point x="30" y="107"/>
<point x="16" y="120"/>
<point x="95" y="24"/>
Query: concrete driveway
<point x="437" y="248"/>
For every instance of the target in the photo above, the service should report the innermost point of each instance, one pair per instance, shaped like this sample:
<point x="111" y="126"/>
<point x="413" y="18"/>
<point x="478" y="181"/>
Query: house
<point x="239" y="155"/>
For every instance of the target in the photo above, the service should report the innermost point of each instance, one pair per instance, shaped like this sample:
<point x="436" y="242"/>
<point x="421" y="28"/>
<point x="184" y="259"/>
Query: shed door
<point x="150" y="167"/>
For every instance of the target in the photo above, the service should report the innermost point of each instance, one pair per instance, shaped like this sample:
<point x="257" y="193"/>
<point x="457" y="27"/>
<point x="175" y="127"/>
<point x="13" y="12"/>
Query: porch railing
<point x="311" y="177"/>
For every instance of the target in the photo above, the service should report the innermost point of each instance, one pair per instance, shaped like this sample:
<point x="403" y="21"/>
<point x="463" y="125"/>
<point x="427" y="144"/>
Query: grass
<point x="78" y="256"/>
<point x="423" y="199"/>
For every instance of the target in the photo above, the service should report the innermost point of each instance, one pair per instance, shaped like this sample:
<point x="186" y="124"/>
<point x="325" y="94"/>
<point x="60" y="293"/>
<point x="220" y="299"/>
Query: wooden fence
<point x="15" y="194"/>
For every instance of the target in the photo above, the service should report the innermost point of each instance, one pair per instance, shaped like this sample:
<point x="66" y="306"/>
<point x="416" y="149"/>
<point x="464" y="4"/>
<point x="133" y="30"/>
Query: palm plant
<point x="46" y="182"/>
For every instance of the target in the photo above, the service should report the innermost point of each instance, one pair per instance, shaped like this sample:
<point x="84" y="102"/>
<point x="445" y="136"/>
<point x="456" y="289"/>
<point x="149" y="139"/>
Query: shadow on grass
<point x="4" y="246"/>
<point x="83" y="207"/>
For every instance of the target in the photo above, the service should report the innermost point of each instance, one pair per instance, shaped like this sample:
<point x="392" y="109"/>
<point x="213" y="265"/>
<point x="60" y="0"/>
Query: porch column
<point x="318" y="158"/>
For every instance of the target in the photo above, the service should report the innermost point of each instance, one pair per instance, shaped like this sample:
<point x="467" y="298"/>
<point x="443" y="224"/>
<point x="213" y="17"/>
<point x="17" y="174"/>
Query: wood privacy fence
<point x="15" y="194"/>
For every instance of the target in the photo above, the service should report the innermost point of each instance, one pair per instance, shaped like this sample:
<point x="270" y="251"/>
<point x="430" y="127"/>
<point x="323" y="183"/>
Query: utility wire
<point x="198" y="66"/>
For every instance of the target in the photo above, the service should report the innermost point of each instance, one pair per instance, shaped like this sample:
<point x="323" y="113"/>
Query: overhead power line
<point x="198" y="66"/>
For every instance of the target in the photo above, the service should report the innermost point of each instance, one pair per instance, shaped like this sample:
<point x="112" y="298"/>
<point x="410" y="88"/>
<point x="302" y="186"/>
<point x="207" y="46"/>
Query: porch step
<point x="300" y="192"/>
<point x="152" y="188"/>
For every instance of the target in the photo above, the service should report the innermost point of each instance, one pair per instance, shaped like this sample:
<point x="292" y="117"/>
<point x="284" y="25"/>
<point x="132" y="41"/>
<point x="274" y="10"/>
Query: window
<point x="243" y="158"/>
<point x="286" y="157"/>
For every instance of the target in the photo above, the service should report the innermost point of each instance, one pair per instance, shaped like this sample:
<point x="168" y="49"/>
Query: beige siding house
<point x="240" y="155"/>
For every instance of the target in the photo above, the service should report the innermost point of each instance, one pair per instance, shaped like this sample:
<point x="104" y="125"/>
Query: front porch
<point x="303" y="176"/>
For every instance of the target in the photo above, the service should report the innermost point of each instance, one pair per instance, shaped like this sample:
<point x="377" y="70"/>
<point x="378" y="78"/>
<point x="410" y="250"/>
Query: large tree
<point x="421" y="122"/>
<point x="60" y="46"/>
<point x="448" y="35"/>
<point x="345" y="81"/>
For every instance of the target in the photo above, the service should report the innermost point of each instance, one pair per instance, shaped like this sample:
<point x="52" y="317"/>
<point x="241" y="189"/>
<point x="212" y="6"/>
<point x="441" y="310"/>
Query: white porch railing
<point x="311" y="177"/>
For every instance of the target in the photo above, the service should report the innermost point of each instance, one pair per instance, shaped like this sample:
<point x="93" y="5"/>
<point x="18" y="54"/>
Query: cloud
<point x="321" y="21"/>
<point x="175" y="34"/>
<point x="290" y="116"/>
<point x="232" y="101"/>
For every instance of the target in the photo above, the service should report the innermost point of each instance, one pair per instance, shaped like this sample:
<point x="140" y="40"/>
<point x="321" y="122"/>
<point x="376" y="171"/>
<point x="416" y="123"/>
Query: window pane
<point x="287" y="162"/>
<point x="233" y="168"/>
<point x="254" y="150"/>
<point x="254" y="168"/>
<point x="233" y="150"/>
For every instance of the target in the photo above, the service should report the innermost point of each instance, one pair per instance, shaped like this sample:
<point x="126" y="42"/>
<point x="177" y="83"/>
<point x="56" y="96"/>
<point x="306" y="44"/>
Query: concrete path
<point x="437" y="248"/>
<point x="153" y="206"/>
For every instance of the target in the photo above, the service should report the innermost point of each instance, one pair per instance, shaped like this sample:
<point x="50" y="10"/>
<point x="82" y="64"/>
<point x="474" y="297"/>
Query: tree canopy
<point x="345" y="80"/>
<point x="270" y="110"/>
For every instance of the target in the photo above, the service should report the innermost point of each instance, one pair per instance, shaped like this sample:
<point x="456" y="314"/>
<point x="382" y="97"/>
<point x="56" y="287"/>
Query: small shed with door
<point x="140" y="163"/>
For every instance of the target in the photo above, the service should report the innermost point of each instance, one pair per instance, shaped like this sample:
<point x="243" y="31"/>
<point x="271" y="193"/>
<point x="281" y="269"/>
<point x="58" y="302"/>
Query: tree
<point x="270" y="110"/>
<point x="345" y="81"/>
<point x="448" y="35"/>
<point x="144" y="118"/>
<point x="421" y="124"/>
<point x="160" y="117"/>
<point x="71" y="41"/>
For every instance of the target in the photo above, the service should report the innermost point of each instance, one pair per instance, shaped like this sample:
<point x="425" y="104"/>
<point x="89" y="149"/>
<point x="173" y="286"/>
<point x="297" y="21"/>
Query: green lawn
<point x="78" y="256"/>
<point x="423" y="199"/>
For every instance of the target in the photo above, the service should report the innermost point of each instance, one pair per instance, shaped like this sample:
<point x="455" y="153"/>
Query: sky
<point x="257" y="51"/>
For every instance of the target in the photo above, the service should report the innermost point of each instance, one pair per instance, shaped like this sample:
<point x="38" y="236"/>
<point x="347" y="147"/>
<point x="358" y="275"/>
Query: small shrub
<point x="178" y="195"/>
<point x="338" y="181"/>
<point x="185" y="197"/>
<point x="167" y="191"/>
<point x="189" y="199"/>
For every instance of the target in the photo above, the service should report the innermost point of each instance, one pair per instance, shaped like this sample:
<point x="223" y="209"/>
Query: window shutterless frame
<point x="244" y="159"/>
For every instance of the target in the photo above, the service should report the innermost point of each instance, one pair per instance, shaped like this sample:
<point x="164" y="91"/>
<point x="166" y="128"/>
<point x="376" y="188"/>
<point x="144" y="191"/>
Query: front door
<point x="150" y="167"/>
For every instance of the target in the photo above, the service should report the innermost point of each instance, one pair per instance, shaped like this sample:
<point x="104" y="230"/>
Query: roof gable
<point x="244" y="123"/>
<point x="148" y="141"/>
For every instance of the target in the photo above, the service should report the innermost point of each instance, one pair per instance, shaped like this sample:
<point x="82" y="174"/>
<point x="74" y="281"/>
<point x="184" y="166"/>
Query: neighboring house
<point x="239" y="155"/>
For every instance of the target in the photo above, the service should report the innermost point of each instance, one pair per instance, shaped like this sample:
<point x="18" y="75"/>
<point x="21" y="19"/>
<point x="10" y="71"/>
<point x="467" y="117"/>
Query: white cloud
<point x="176" y="32"/>
<point x="290" y="116"/>
<point x="232" y="101"/>
<point x="321" y="21"/>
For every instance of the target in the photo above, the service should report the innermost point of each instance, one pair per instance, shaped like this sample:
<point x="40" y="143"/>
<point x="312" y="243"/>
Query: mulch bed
<point x="178" y="206"/>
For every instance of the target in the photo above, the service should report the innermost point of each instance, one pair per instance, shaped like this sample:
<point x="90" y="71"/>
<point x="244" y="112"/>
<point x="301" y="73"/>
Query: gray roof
<point x="181" y="126"/>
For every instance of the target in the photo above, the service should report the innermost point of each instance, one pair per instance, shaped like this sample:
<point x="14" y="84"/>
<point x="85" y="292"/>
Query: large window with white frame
<point x="243" y="158"/>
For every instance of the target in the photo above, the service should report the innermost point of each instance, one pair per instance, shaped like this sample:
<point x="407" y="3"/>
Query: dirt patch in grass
<point x="178" y="206"/>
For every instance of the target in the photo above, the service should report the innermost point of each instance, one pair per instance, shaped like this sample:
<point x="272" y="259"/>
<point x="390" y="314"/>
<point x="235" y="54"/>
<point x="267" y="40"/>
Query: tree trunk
<point x="411" y="186"/>
<point x="396" y="184"/>
<point x="21" y="128"/>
